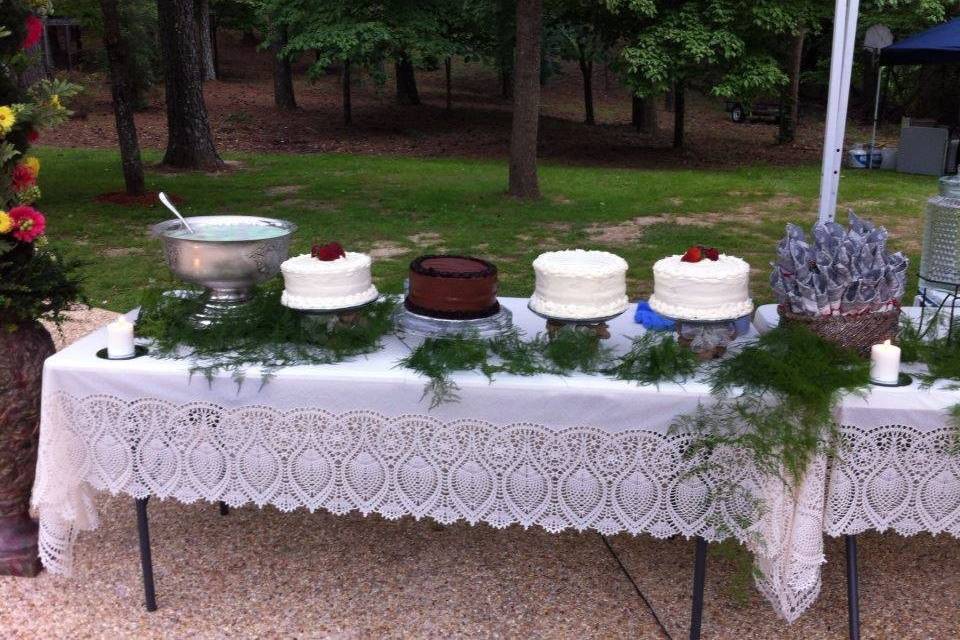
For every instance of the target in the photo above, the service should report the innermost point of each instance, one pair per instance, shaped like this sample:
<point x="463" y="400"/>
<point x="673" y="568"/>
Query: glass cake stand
<point x="427" y="327"/>
<point x="332" y="317"/>
<point x="708" y="339"/>
<point x="597" y="325"/>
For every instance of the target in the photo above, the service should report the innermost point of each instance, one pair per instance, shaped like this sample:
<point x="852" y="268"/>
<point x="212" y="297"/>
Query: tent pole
<point x="841" y="63"/>
<point x="849" y="44"/>
<point x="829" y="132"/>
<point x="876" y="116"/>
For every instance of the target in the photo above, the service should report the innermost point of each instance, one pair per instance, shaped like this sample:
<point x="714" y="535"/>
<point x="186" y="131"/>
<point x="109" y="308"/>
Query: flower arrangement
<point x="35" y="282"/>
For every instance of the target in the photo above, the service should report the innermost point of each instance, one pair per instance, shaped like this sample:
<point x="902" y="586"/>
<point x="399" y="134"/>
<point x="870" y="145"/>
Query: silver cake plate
<point x="577" y="321"/>
<point x="427" y="327"/>
<point x="710" y="321"/>
<point x="335" y="311"/>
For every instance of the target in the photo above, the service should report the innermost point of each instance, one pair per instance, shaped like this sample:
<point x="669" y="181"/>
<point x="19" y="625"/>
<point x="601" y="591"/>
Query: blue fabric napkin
<point x="650" y="319"/>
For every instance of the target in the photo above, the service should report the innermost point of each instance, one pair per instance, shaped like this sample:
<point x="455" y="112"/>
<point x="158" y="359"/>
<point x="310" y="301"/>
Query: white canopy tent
<point x="841" y="64"/>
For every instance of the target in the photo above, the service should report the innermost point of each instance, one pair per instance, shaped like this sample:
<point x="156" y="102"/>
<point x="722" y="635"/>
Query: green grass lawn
<point x="399" y="208"/>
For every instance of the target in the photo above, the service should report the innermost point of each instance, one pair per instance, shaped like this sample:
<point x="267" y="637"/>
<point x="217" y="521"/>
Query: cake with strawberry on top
<point x="327" y="278"/>
<point x="702" y="284"/>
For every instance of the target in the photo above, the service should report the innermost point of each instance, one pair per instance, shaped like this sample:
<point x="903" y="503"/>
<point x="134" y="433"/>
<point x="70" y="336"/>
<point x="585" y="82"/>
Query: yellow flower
<point x="33" y="163"/>
<point x="6" y="222"/>
<point x="55" y="101"/>
<point x="7" y="119"/>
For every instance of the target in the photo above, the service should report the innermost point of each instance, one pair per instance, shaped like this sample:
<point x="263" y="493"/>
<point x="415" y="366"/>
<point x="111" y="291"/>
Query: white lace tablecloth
<point x="582" y="452"/>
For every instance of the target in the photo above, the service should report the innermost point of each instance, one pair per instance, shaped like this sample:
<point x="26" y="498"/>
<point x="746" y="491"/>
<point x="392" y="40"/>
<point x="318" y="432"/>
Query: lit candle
<point x="120" y="338"/>
<point x="885" y="363"/>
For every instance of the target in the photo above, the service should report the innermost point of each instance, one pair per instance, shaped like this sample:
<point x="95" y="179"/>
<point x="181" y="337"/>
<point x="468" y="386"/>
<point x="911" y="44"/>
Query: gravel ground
<point x="264" y="574"/>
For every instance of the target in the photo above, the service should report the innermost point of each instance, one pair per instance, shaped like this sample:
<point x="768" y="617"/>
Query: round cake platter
<point x="577" y="321"/>
<point x="429" y="327"/>
<point x="330" y="317"/>
<point x="596" y="325"/>
<point x="335" y="310"/>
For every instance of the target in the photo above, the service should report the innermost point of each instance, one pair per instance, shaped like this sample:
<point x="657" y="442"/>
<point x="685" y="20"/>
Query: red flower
<point x="32" y="135"/>
<point x="28" y="223"/>
<point x="22" y="177"/>
<point x="328" y="252"/>
<point x="34" y="27"/>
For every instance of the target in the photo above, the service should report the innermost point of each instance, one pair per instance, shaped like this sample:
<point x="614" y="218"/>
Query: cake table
<point x="582" y="452"/>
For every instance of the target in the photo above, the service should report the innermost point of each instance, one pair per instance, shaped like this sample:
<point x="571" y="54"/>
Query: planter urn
<point x="22" y="352"/>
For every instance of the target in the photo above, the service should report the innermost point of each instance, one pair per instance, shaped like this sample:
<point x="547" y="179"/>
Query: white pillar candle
<point x="885" y="363"/>
<point x="120" y="338"/>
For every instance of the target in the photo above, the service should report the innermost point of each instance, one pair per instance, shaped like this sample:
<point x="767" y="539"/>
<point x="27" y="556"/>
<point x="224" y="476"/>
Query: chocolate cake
<point x="452" y="287"/>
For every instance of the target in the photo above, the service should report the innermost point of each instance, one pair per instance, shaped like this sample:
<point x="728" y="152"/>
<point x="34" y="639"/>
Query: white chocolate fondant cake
<point x="579" y="285"/>
<point x="706" y="289"/>
<point x="314" y="284"/>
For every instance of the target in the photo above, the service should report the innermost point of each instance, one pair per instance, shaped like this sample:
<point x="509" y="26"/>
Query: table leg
<point x="146" y="561"/>
<point x="853" y="595"/>
<point x="224" y="509"/>
<point x="699" y="578"/>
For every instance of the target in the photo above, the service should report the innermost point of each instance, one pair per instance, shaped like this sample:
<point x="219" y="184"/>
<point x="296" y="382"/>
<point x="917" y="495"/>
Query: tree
<point x="347" y="100"/>
<point x="368" y="34"/>
<point x="643" y="114"/>
<point x="676" y="44"/>
<point x="526" y="101"/>
<point x="118" y="56"/>
<point x="189" y="142"/>
<point x="205" y="39"/>
<point x="587" y="31"/>
<point x="790" y="104"/>
<point x="283" y="96"/>
<point x="138" y="30"/>
<point x="406" y="80"/>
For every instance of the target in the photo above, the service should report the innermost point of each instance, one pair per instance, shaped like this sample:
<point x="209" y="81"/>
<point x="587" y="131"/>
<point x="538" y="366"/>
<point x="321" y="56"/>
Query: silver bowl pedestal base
<point x="220" y="303"/>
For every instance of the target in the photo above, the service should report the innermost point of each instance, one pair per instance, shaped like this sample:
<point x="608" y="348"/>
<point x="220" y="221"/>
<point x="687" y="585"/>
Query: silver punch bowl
<point x="228" y="255"/>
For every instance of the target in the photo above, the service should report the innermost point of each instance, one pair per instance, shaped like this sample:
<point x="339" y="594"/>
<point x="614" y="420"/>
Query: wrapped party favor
<point x="846" y="271"/>
<point x="842" y="282"/>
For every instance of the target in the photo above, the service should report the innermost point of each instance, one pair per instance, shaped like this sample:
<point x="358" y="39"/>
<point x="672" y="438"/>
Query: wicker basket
<point x="858" y="332"/>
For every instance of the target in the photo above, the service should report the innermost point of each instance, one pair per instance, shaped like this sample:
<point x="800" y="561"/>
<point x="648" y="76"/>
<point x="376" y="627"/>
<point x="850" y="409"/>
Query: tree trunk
<point x="347" y="106"/>
<point x="679" y="112"/>
<point x="790" y="108"/>
<point x="526" y="101"/>
<point x="586" y="70"/>
<point x="505" y="46"/>
<point x="216" y="46"/>
<point x="643" y="114"/>
<point x="447" y="71"/>
<point x="282" y="77"/>
<point x="118" y="60"/>
<point x="207" y="62"/>
<point x="189" y="142"/>
<point x="406" y="81"/>
<point x="22" y="353"/>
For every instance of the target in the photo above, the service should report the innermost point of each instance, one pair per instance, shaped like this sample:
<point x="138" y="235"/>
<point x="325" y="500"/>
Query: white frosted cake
<point x="579" y="285"/>
<point x="715" y="288"/>
<point x="314" y="284"/>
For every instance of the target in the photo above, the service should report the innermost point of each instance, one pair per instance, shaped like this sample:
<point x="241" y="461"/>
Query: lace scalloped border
<point x="635" y="481"/>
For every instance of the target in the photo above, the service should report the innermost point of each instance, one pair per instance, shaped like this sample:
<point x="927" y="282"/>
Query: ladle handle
<point x="169" y="205"/>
